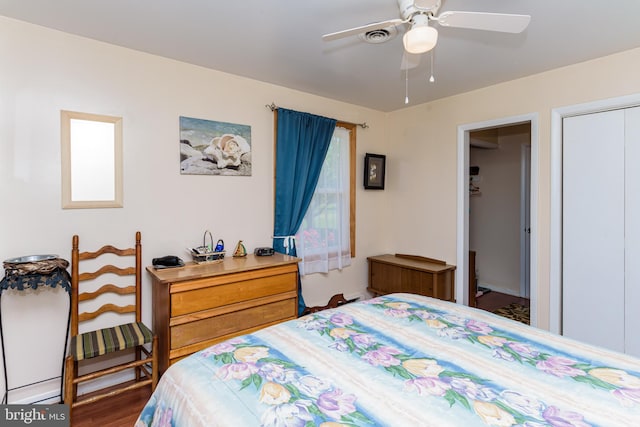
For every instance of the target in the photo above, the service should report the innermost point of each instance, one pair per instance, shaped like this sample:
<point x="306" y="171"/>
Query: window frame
<point x="352" y="184"/>
<point x="352" y="127"/>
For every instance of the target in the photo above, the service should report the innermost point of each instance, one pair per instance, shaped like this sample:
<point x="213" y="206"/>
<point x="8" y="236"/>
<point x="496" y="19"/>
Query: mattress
<point x="399" y="360"/>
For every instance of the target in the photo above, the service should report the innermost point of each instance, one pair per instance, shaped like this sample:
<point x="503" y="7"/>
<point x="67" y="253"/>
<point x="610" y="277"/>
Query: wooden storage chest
<point x="411" y="274"/>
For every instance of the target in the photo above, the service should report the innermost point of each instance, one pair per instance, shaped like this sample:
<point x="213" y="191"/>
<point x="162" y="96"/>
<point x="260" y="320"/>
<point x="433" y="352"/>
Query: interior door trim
<point x="462" y="243"/>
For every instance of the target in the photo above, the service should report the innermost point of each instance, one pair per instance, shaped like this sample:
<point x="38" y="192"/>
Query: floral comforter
<point x="399" y="360"/>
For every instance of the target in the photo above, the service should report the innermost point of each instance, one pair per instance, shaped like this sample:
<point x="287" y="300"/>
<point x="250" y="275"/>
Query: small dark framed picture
<point x="374" y="166"/>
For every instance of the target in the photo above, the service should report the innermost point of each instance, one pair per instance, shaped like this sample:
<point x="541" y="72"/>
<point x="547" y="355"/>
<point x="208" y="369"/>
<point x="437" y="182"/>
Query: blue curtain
<point x="302" y="142"/>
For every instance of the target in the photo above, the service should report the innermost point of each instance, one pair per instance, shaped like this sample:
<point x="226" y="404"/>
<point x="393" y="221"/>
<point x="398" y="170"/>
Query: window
<point x="326" y="238"/>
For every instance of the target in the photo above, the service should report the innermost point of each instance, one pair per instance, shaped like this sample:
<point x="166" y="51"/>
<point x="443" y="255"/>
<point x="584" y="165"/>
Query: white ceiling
<point x="279" y="41"/>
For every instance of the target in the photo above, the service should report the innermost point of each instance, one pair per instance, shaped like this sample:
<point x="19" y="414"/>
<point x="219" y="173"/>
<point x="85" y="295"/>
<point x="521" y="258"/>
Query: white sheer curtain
<point x="323" y="240"/>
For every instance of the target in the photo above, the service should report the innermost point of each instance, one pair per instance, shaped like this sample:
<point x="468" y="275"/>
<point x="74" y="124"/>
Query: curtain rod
<point x="274" y="107"/>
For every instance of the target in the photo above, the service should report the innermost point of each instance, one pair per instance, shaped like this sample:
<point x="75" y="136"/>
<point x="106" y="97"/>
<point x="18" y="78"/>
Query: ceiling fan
<point x="422" y="37"/>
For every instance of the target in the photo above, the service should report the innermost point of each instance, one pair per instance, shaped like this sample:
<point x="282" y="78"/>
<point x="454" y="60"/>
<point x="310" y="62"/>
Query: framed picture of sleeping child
<point x="374" y="170"/>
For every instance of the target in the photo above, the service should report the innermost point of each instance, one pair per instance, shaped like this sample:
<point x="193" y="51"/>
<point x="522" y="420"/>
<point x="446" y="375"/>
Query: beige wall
<point x="423" y="140"/>
<point x="45" y="71"/>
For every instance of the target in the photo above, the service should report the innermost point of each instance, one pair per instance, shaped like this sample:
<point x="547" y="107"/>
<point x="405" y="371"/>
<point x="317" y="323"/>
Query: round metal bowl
<point x="30" y="258"/>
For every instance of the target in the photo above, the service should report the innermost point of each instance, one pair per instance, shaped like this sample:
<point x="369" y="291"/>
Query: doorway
<point x="499" y="197"/>
<point x="464" y="148"/>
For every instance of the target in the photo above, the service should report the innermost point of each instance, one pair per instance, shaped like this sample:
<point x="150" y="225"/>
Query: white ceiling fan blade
<point x="502" y="22"/>
<point x="410" y="60"/>
<point x="362" y="29"/>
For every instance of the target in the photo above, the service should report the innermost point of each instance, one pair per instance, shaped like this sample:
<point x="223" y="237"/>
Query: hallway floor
<point x="493" y="300"/>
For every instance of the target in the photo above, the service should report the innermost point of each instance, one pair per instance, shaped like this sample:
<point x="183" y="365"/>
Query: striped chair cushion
<point x="108" y="340"/>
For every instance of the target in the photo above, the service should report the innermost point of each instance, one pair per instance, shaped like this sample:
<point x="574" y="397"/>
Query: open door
<point x="464" y="287"/>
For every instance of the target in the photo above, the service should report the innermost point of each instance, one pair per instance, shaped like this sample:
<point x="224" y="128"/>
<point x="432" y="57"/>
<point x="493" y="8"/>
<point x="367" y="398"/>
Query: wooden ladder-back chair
<point x="108" y="340"/>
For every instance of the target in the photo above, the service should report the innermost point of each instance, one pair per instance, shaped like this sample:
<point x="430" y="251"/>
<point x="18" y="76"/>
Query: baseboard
<point x="356" y="297"/>
<point x="105" y="382"/>
<point x="499" y="289"/>
<point x="49" y="392"/>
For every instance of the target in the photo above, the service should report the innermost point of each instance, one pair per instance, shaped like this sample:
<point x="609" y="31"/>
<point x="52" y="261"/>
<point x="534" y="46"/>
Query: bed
<point x="399" y="360"/>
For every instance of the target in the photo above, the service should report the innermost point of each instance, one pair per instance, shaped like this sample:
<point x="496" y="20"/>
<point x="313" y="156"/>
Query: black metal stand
<point x="33" y="281"/>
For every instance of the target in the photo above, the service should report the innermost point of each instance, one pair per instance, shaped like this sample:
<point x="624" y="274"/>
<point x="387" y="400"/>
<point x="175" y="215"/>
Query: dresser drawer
<point x="228" y="323"/>
<point x="199" y="305"/>
<point x="235" y="290"/>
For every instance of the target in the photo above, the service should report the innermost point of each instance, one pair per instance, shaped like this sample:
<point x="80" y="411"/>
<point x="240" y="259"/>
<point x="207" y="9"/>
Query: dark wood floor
<point x="123" y="410"/>
<point x="494" y="300"/>
<point x="118" y="411"/>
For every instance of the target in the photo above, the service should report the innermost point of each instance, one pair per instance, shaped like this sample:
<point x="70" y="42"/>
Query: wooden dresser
<point x="198" y="305"/>
<point x="411" y="274"/>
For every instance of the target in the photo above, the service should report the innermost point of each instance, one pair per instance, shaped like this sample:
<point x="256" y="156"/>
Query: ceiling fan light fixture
<point x="420" y="39"/>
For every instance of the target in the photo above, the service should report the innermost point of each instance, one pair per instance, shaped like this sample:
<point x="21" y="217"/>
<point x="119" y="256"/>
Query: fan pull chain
<point x="406" y="86"/>
<point x="432" y="79"/>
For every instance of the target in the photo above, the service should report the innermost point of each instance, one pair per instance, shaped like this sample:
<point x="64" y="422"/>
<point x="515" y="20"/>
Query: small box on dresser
<point x="198" y="305"/>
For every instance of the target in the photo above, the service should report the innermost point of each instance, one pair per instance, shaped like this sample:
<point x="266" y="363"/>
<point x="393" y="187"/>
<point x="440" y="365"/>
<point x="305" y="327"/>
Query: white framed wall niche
<point x="91" y="149"/>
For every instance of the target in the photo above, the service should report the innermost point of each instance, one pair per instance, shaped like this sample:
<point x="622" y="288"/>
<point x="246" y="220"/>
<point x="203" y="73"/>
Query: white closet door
<point x="632" y="230"/>
<point x="593" y="229"/>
